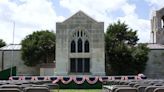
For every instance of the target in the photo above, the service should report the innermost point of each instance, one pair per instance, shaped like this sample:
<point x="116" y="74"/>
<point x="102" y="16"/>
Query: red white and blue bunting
<point x="111" y="78"/>
<point x="34" y="78"/>
<point x="66" y="80"/>
<point x="76" y="79"/>
<point x="47" y="78"/>
<point x="103" y="78"/>
<point x="55" y="79"/>
<point x="124" y="77"/>
<point x="92" y="80"/>
<point x="21" y="78"/>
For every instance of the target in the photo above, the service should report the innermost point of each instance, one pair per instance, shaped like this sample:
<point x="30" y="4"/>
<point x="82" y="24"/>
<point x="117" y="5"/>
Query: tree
<point x="38" y="47"/>
<point x="2" y="43"/>
<point x="123" y="55"/>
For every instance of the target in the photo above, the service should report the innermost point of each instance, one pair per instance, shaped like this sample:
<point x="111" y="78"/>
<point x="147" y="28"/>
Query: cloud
<point x="132" y="19"/>
<point x="96" y="8"/>
<point x="155" y="4"/>
<point x="103" y="10"/>
<point x="29" y="16"/>
<point x="141" y="25"/>
<point x="32" y="15"/>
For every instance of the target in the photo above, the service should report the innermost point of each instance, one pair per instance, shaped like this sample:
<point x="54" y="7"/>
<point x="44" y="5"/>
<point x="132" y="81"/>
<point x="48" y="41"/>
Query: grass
<point x="78" y="90"/>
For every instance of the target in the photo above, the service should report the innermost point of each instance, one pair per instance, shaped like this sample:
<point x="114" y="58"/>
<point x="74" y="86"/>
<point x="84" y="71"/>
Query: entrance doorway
<point x="79" y="65"/>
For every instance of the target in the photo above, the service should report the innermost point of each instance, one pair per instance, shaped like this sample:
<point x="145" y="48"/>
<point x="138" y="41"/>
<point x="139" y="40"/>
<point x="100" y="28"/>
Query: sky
<point x="35" y="15"/>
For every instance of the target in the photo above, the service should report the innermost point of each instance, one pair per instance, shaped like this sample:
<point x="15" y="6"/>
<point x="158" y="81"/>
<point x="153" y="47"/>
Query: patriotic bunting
<point x="79" y="80"/>
<point x="92" y="80"/>
<point x="66" y="80"/>
<point x="76" y="79"/>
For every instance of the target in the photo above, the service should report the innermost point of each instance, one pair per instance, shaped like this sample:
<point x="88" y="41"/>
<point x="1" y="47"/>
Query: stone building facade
<point x="157" y="27"/>
<point x="10" y="56"/>
<point x="155" y="64"/>
<point x="80" y="46"/>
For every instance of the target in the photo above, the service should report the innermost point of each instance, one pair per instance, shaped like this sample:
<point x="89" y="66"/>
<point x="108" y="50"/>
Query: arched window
<point x="73" y="46"/>
<point x="81" y="33"/>
<point x="162" y="22"/>
<point x="78" y="33"/>
<point x="80" y="45"/>
<point x="86" y="44"/>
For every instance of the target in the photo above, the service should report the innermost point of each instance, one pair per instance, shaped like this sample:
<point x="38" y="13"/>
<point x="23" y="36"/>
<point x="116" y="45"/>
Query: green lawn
<point x="78" y="90"/>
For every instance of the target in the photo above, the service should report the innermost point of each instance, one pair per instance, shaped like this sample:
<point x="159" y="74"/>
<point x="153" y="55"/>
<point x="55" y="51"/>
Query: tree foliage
<point x="123" y="55"/>
<point x="2" y="43"/>
<point x="38" y="47"/>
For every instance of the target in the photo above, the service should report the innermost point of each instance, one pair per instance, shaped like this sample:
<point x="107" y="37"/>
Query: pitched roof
<point x="11" y="47"/>
<point x="81" y="16"/>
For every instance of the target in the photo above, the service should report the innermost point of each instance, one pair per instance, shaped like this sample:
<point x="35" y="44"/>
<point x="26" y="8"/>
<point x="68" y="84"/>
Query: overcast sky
<point x="32" y="15"/>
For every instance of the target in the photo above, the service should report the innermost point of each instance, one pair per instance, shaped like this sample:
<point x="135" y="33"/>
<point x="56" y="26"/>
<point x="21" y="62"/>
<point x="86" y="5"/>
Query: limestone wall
<point x="15" y="60"/>
<point x="95" y="31"/>
<point x="157" y="29"/>
<point x="0" y="60"/>
<point x="47" y="71"/>
<point x="155" y="64"/>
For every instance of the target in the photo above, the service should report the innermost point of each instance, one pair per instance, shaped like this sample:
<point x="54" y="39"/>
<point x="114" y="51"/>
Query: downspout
<point x="153" y="37"/>
<point x="2" y="59"/>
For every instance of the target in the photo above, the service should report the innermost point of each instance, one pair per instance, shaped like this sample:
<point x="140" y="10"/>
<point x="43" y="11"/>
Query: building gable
<point x="80" y="17"/>
<point x="80" y="46"/>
